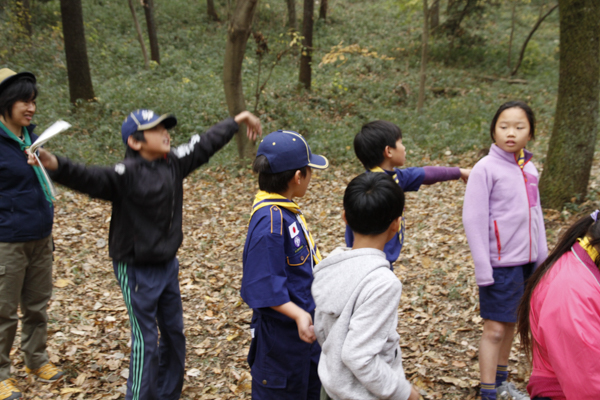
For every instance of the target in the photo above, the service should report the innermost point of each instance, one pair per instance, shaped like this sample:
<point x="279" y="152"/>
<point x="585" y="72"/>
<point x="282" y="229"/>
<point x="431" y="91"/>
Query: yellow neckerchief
<point x="520" y="159"/>
<point x="379" y="169"/>
<point x="266" y="199"/>
<point x="591" y="250"/>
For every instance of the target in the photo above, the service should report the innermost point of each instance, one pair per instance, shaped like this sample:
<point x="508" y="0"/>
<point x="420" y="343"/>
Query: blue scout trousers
<point x="283" y="367"/>
<point x="153" y="300"/>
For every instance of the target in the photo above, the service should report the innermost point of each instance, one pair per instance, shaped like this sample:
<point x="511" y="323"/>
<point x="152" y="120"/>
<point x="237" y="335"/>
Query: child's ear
<point x="394" y="227"/>
<point x="134" y="144"/>
<point x="297" y="177"/>
<point x="387" y="153"/>
<point x="344" y="217"/>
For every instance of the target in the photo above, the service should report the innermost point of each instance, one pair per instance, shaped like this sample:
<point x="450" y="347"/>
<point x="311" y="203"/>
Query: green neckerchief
<point x="24" y="144"/>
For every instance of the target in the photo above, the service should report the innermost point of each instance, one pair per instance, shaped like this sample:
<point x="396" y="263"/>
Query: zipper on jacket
<point x="528" y="209"/>
<point x="497" y="239"/>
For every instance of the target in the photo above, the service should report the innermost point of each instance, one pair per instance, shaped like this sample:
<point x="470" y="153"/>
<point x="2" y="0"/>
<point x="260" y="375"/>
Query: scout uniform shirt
<point x="278" y="259"/>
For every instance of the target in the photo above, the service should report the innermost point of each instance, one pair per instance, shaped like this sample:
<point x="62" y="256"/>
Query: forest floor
<point x="89" y="334"/>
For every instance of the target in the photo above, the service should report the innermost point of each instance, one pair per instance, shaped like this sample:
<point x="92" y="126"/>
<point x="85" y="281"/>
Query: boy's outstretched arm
<point x="200" y="148"/>
<point x="253" y="126"/>
<point x="464" y="174"/>
<point x="100" y="182"/>
<point x="306" y="329"/>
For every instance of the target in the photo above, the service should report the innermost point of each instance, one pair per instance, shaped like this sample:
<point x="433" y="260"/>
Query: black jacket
<point x="25" y="214"/>
<point x="147" y="197"/>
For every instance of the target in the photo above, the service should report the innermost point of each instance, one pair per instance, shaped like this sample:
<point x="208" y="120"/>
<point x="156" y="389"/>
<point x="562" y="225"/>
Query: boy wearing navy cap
<point x="146" y="190"/>
<point x="279" y="257"/>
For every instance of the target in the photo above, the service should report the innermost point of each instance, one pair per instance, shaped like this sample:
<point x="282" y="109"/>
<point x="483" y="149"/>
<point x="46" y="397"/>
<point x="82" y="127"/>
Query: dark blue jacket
<point x="25" y="214"/>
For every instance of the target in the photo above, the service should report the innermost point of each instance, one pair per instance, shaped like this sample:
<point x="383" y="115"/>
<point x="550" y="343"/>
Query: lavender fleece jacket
<point x="502" y="215"/>
<point x="356" y="319"/>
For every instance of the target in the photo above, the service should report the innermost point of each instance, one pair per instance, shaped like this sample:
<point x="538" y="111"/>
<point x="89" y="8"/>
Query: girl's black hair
<point x="22" y="89"/>
<point x="584" y="226"/>
<point x="512" y="104"/>
<point x="270" y="182"/>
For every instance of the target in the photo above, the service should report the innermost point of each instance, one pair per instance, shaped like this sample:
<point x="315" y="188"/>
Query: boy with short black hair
<point x="146" y="190"/>
<point x="279" y="257"/>
<point x="357" y="299"/>
<point x="379" y="148"/>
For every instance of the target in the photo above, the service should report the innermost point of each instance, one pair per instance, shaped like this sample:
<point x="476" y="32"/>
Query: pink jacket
<point x="565" y="325"/>
<point x="502" y="215"/>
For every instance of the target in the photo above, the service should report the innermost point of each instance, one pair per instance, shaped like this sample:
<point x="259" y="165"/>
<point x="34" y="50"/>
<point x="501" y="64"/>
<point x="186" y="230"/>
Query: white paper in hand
<point x="54" y="129"/>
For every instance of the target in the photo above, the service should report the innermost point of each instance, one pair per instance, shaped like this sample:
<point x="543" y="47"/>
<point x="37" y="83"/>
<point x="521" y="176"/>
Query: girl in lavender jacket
<point x="504" y="224"/>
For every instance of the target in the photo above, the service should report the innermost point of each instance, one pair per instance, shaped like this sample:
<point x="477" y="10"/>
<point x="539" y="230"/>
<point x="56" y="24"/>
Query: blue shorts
<point x="499" y="302"/>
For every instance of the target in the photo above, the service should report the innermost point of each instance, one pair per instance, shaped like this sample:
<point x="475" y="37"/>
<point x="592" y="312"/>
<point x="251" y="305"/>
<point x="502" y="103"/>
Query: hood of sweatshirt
<point x="345" y="267"/>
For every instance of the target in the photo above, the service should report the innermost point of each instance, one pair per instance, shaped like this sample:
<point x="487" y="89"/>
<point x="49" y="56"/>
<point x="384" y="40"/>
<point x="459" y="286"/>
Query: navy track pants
<point x="153" y="300"/>
<point x="283" y="367"/>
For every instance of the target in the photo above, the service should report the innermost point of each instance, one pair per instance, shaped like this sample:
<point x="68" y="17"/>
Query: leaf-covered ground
<point x="439" y="321"/>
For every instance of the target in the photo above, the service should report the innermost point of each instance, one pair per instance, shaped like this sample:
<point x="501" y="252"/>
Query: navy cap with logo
<point x="141" y="120"/>
<point x="286" y="150"/>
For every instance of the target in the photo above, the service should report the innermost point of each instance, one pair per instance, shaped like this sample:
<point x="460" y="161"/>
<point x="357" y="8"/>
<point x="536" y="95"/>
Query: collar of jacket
<point x="29" y="128"/>
<point x="497" y="152"/>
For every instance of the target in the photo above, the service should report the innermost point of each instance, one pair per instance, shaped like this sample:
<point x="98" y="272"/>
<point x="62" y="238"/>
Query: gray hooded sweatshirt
<point x="357" y="299"/>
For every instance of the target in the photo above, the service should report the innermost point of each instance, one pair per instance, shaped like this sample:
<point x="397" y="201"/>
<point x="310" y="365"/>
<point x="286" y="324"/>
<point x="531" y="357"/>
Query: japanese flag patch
<point x="293" y="230"/>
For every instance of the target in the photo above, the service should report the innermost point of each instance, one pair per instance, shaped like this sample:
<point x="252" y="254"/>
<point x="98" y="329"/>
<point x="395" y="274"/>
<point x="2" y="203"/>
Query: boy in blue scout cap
<point x="279" y="256"/>
<point x="146" y="190"/>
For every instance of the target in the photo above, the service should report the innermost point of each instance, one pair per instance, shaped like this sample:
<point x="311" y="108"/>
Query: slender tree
<point x="512" y="33"/>
<point x="423" y="72"/>
<point x="535" y="27"/>
<point x="571" y="148"/>
<point x="323" y="10"/>
<point x="139" y="34"/>
<point x="434" y="15"/>
<point x="291" y="7"/>
<point x="307" y="42"/>
<point x="151" y="24"/>
<point x="78" y="67"/>
<point x="238" y="32"/>
<point x="211" y="11"/>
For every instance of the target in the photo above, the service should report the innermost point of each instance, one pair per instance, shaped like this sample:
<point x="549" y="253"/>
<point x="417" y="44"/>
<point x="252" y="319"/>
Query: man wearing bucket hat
<point x="146" y="190"/>
<point x="279" y="256"/>
<point x="26" y="216"/>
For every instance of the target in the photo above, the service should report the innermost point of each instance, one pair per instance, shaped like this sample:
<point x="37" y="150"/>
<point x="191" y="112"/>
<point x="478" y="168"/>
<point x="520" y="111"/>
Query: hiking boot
<point x="9" y="390"/>
<point x="508" y="391"/>
<point x="46" y="373"/>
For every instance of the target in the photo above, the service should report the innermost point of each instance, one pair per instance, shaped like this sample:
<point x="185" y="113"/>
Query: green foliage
<point x="460" y="100"/>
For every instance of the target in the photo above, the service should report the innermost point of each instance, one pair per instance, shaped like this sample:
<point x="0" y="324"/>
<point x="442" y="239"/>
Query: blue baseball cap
<point x="141" y="120"/>
<point x="286" y="150"/>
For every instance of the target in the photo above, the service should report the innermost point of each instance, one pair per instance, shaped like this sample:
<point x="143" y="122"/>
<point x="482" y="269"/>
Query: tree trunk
<point x="78" y="67"/>
<point x="423" y="57"/>
<point x="307" y="32"/>
<point x="235" y="49"/>
<point x="537" y="25"/>
<point x="571" y="148"/>
<point x="323" y="10"/>
<point x="292" y="19"/>
<point x="211" y="11"/>
<point x="434" y="15"/>
<point x="139" y="34"/>
<point x="151" y="24"/>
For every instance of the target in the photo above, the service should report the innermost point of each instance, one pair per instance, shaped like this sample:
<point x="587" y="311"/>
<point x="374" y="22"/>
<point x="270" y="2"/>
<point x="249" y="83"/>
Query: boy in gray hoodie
<point x="357" y="299"/>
